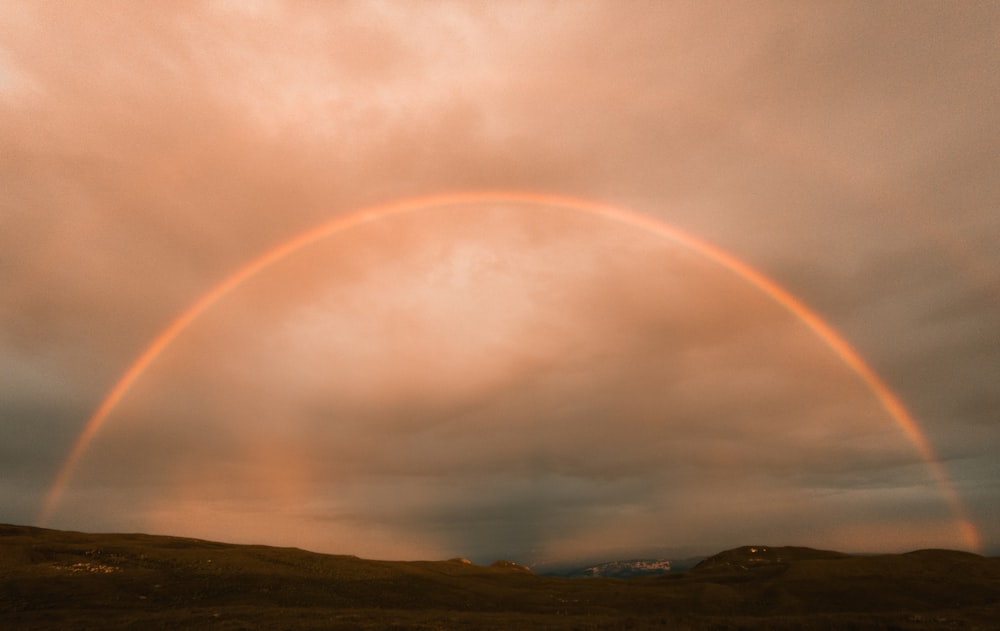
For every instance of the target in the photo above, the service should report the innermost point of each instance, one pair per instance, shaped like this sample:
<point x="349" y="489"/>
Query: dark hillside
<point x="62" y="580"/>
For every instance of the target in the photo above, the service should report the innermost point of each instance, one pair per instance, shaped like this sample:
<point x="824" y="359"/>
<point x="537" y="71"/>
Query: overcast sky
<point x="490" y="379"/>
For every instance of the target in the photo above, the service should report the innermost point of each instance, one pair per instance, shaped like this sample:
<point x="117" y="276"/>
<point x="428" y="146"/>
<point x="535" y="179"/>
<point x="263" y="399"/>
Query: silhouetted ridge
<point x="510" y="565"/>
<point x="747" y="557"/>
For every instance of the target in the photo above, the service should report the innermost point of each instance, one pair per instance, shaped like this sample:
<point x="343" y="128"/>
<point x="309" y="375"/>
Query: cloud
<point x="491" y="380"/>
<point x="498" y="383"/>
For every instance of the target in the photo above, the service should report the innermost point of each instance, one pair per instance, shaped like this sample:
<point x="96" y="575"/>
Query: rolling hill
<point x="53" y="579"/>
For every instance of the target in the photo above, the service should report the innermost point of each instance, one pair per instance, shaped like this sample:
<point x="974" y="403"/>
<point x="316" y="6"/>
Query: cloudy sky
<point x="492" y="378"/>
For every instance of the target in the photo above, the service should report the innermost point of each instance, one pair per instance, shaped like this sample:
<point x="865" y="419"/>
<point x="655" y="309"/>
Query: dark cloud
<point x="494" y="380"/>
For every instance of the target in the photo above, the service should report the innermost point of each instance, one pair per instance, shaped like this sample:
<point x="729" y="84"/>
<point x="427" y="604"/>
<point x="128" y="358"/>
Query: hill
<point x="65" y="580"/>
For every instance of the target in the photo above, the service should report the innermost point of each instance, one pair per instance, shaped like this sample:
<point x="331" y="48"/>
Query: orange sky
<point x="488" y="380"/>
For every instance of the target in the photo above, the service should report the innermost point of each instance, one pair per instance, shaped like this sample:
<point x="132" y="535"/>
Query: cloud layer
<point x="490" y="380"/>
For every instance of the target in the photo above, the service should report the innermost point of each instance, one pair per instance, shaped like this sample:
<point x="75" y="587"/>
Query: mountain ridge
<point x="626" y="568"/>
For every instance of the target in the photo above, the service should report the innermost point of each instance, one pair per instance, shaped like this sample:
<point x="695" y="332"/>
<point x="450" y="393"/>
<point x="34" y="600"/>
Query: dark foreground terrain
<point x="62" y="580"/>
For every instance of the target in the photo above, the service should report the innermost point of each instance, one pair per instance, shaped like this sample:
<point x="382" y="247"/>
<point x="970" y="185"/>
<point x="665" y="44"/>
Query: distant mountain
<point x="623" y="569"/>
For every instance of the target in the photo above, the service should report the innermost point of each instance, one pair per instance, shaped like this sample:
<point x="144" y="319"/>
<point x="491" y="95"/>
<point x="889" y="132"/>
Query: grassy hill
<point x="63" y="580"/>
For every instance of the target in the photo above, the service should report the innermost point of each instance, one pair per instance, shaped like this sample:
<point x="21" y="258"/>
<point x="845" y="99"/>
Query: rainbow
<point x="889" y="401"/>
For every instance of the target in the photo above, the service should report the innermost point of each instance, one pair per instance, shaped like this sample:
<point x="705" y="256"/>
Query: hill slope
<point x="52" y="579"/>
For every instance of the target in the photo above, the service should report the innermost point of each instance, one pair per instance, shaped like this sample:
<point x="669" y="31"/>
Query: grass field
<point x="63" y="580"/>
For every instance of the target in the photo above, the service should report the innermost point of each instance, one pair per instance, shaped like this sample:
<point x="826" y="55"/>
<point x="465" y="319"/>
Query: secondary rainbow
<point x="889" y="401"/>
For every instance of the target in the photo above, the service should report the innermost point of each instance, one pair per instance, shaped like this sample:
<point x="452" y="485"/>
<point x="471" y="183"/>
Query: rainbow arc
<point x="851" y="358"/>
